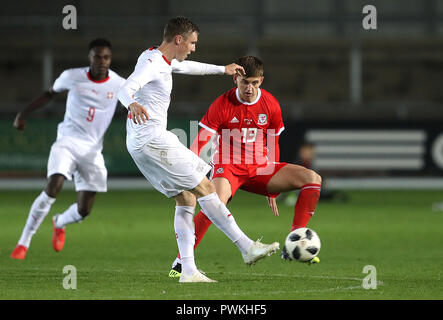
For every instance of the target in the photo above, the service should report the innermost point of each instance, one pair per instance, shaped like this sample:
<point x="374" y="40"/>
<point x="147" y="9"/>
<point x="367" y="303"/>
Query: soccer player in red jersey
<point x="247" y="122"/>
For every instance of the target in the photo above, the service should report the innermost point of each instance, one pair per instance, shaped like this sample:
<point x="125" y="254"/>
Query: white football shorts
<point x="73" y="158"/>
<point x="167" y="164"/>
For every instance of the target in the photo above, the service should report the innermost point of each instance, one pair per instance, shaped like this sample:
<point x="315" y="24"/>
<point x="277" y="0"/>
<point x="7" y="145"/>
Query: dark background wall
<point x="320" y="63"/>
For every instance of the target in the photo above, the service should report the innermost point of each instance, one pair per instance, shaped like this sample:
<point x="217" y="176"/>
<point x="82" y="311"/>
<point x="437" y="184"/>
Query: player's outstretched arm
<point x="199" y="68"/>
<point x="20" y="119"/>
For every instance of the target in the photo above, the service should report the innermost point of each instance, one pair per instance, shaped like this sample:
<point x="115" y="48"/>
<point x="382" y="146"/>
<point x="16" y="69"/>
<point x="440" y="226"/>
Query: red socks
<point x="305" y="206"/>
<point x="202" y="223"/>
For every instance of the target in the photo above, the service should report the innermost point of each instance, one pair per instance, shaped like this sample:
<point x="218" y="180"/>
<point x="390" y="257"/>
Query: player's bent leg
<point x="55" y="185"/>
<point x="217" y="212"/>
<point x="204" y="188"/>
<point x="201" y="221"/>
<point x="223" y="189"/>
<point x="185" y="198"/>
<point x="39" y="210"/>
<point x="85" y="201"/>
<point x="292" y="177"/>
<point x="75" y="213"/>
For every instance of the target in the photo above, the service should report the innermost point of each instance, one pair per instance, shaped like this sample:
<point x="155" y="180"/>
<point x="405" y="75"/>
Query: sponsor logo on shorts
<point x="220" y="170"/>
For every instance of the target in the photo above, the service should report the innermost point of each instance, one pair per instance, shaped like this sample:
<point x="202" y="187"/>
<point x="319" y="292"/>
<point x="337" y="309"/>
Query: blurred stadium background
<point x="368" y="101"/>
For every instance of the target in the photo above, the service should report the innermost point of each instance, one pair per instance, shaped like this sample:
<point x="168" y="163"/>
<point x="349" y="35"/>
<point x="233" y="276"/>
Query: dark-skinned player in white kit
<point x="77" y="151"/>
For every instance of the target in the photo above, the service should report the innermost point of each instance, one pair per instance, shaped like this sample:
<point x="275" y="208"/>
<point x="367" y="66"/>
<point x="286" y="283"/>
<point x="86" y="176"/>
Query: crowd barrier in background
<point x="348" y="154"/>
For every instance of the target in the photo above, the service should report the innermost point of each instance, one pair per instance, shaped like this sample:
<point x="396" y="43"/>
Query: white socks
<point x="71" y="215"/>
<point x="39" y="209"/>
<point x="184" y="232"/>
<point x="217" y="212"/>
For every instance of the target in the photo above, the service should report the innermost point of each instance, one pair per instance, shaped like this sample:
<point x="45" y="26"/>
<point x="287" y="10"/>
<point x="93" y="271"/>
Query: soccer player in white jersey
<point x="77" y="151"/>
<point x="168" y="165"/>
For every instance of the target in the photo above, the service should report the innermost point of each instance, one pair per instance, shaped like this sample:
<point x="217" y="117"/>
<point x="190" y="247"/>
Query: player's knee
<point x="315" y="177"/>
<point x="55" y="185"/>
<point x="209" y="187"/>
<point x="204" y="188"/>
<point x="312" y="177"/>
<point x="186" y="199"/>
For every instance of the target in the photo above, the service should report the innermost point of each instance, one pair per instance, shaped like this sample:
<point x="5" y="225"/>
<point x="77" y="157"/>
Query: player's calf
<point x="306" y="204"/>
<point x="85" y="202"/>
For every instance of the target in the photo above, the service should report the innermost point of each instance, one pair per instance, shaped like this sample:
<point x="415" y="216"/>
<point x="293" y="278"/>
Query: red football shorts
<point x="247" y="178"/>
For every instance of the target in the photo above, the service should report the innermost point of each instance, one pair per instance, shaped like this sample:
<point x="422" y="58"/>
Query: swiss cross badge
<point x="262" y="118"/>
<point x="110" y="95"/>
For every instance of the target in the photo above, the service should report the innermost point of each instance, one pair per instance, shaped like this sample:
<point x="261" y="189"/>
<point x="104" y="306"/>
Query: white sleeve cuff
<point x="125" y="97"/>
<point x="207" y="128"/>
<point x="278" y="133"/>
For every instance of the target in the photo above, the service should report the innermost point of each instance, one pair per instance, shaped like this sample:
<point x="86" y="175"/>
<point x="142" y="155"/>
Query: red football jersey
<point x="243" y="129"/>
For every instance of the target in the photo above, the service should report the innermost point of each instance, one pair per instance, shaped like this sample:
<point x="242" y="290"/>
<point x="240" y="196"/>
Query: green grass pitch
<point x="125" y="248"/>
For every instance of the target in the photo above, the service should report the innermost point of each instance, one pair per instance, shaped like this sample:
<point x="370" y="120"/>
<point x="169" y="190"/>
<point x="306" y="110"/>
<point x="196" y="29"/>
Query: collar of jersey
<point x="97" y="81"/>
<point x="248" y="103"/>
<point x="164" y="58"/>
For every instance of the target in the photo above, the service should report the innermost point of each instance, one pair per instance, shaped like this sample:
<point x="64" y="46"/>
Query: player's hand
<point x="273" y="204"/>
<point x="138" y="113"/>
<point x="19" y="122"/>
<point x="234" y="68"/>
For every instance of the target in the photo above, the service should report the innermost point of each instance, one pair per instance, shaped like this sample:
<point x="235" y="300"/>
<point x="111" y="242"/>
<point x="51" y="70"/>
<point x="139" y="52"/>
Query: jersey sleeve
<point x="196" y="68"/>
<point x="212" y="120"/>
<point x="121" y="81"/>
<point x="63" y="82"/>
<point x="144" y="72"/>
<point x="276" y="123"/>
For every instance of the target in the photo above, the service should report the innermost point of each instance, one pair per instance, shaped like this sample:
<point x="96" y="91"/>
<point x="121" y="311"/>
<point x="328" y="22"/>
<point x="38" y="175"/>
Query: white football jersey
<point x="151" y="84"/>
<point x="90" y="104"/>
